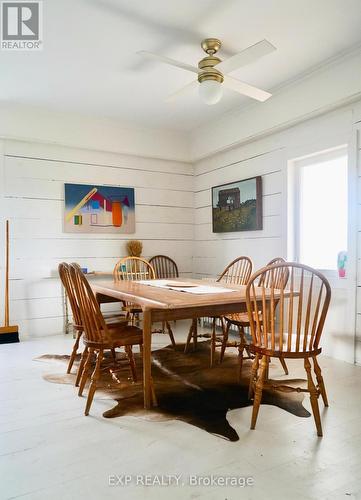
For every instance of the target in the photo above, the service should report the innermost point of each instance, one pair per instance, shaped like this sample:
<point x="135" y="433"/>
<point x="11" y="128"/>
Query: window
<point x="320" y="209"/>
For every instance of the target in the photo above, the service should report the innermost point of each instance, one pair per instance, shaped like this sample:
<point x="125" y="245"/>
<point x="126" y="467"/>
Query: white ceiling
<point x="89" y="63"/>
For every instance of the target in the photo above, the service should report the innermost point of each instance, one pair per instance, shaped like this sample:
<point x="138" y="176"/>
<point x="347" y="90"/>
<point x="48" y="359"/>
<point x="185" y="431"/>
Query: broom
<point x="8" y="334"/>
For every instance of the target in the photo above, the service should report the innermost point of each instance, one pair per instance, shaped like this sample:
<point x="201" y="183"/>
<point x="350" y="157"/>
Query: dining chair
<point x="111" y="318"/>
<point x="164" y="267"/>
<point x="241" y="320"/>
<point x="237" y="272"/>
<point x="99" y="337"/>
<point x="294" y="333"/>
<point x="133" y="269"/>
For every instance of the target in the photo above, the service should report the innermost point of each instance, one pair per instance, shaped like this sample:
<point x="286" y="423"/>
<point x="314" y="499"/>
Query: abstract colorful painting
<point x="99" y="209"/>
<point x="237" y="206"/>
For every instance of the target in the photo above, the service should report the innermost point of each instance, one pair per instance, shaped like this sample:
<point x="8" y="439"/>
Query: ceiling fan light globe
<point x="210" y="91"/>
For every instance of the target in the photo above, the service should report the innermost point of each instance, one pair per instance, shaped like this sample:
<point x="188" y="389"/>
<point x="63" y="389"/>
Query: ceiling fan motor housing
<point x="212" y="72"/>
<point x="211" y="45"/>
<point x="208" y="71"/>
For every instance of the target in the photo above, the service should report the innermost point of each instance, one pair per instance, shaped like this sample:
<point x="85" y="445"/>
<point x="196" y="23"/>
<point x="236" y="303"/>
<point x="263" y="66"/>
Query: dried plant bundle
<point x="134" y="248"/>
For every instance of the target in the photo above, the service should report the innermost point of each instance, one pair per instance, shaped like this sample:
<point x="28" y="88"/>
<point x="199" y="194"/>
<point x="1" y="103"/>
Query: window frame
<point x="294" y="199"/>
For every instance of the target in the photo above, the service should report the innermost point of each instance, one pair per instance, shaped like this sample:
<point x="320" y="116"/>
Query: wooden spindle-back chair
<point x="294" y="332"/>
<point x="278" y="278"/>
<point x="242" y="321"/>
<point x="98" y="336"/>
<point x="237" y="272"/>
<point x="111" y="318"/>
<point x="164" y="267"/>
<point x="135" y="269"/>
<point x="64" y="274"/>
<point x="132" y="269"/>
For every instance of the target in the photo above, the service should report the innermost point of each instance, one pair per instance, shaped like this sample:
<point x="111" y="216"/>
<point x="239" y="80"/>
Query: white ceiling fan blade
<point x="247" y="56"/>
<point x="183" y="90"/>
<point x="246" y="89"/>
<point x="168" y="60"/>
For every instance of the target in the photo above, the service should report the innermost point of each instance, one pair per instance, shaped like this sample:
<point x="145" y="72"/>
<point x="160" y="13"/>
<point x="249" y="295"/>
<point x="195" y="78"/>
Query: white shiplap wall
<point x="358" y="317"/>
<point x="173" y="216"/>
<point x="213" y="251"/>
<point x="32" y="192"/>
<point x="269" y="157"/>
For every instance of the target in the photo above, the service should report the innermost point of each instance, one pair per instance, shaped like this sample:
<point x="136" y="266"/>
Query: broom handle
<point x="7" y="275"/>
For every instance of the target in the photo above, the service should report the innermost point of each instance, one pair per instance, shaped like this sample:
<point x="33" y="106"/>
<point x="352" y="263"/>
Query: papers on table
<point x="188" y="287"/>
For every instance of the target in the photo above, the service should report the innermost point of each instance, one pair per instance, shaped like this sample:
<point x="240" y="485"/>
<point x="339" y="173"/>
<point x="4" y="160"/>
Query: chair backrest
<point x="64" y="273"/>
<point x="164" y="267"/>
<point x="95" y="328"/>
<point x="133" y="268"/>
<point x="278" y="278"/>
<point x="302" y="308"/>
<point x="238" y="271"/>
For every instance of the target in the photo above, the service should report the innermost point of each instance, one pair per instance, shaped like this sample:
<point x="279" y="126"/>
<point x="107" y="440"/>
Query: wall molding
<point x="42" y="126"/>
<point x="331" y="85"/>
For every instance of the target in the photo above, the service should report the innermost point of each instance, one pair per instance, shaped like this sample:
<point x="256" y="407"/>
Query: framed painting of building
<point x="237" y="206"/>
<point x="99" y="209"/>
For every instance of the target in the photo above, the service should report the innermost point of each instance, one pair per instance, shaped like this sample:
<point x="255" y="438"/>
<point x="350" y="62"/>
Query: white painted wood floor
<point x="49" y="450"/>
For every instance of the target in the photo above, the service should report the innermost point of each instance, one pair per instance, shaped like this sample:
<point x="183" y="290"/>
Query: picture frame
<point x="237" y="206"/>
<point x="99" y="209"/>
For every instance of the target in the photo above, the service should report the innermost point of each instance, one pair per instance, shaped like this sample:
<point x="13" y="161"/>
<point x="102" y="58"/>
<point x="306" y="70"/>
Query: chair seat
<point x="284" y="353"/>
<point x="121" y="335"/>
<point x="111" y="319"/>
<point x="238" y="318"/>
<point x="129" y="335"/>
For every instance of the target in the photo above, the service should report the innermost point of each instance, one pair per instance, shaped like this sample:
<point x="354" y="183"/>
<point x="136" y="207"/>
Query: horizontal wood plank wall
<point x="268" y="157"/>
<point x="358" y="306"/>
<point x="33" y="199"/>
<point x="214" y="250"/>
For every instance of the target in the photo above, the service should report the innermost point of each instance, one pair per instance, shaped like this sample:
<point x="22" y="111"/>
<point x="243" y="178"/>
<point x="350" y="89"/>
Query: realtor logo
<point x="21" y="25"/>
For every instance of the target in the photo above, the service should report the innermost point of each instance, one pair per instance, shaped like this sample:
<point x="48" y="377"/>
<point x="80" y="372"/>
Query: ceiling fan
<point x="213" y="72"/>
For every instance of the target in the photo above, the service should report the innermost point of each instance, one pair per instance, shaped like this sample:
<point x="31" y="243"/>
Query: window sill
<point x="334" y="280"/>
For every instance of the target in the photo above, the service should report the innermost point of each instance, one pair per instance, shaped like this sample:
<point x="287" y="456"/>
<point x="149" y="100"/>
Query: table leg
<point x="195" y="334"/>
<point x="147" y="370"/>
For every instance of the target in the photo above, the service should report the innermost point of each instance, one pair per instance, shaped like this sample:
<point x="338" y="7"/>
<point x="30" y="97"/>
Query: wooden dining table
<point x="162" y="304"/>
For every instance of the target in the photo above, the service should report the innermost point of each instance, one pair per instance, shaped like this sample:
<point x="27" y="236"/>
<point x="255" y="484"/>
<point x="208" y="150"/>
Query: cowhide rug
<point x="187" y="389"/>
